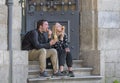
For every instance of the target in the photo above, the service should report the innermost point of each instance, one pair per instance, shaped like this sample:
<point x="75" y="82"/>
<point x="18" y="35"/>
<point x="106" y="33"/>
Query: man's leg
<point x="39" y="55"/>
<point x="52" y="53"/>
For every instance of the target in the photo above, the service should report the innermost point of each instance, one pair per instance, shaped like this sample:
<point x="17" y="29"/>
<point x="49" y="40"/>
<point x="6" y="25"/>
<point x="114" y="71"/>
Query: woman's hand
<point x="67" y="49"/>
<point x="52" y="42"/>
<point x="61" y="36"/>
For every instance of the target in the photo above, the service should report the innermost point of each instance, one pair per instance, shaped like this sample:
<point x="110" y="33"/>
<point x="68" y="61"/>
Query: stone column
<point x="88" y="35"/>
<point x="17" y="13"/>
<point x="88" y="28"/>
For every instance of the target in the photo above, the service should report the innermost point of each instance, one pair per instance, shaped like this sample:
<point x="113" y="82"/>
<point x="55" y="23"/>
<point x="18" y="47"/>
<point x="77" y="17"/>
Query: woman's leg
<point x="69" y="64"/>
<point x="61" y="58"/>
<point x="69" y="61"/>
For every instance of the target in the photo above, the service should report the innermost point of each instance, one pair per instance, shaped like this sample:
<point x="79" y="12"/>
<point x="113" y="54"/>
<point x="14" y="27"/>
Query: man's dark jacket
<point x="35" y="40"/>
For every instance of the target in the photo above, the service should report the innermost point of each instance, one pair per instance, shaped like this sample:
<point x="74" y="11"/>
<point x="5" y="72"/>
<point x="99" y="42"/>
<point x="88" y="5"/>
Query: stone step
<point x="80" y="71"/>
<point x="60" y="79"/>
<point x="35" y="64"/>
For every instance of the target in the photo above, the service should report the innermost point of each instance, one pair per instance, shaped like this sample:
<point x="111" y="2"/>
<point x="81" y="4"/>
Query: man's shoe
<point x="71" y="74"/>
<point x="58" y="74"/>
<point x="44" y="74"/>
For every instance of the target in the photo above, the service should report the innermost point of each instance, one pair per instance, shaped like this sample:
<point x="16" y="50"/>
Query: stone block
<point x="4" y="72"/>
<point x="86" y="38"/>
<point x="1" y="58"/>
<point x="20" y="73"/>
<point x="86" y="17"/>
<point x="117" y="69"/>
<point x="17" y="3"/>
<point x="91" y="58"/>
<point x="17" y="13"/>
<point x="20" y="66"/>
<point x="3" y="38"/>
<point x="2" y="2"/>
<point x="20" y="58"/>
<point x="108" y="39"/>
<point x="108" y="5"/>
<point x="88" y="5"/>
<point x="3" y="14"/>
<point x="110" y="69"/>
<point x="111" y="79"/>
<point x="108" y="19"/>
<point x="112" y="56"/>
<point x="16" y="39"/>
<point x="4" y="58"/>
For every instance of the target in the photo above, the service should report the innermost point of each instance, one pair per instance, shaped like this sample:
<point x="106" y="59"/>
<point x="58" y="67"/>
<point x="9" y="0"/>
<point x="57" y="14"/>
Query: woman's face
<point x="58" y="27"/>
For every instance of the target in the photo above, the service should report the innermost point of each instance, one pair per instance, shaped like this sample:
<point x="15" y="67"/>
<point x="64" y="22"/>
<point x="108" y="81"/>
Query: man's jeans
<point x="42" y="55"/>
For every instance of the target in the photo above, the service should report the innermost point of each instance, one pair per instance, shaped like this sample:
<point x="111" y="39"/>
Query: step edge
<point x="74" y="61"/>
<point x="75" y="69"/>
<point x="66" y="78"/>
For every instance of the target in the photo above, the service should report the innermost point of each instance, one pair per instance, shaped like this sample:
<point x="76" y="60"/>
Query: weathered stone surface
<point x="109" y="39"/>
<point x="108" y="19"/>
<point x="3" y="27"/>
<point x="4" y="58"/>
<point x="4" y="66"/>
<point x="109" y="5"/>
<point x="112" y="56"/>
<point x="88" y="5"/>
<point x="3" y="37"/>
<point x="86" y="38"/>
<point x="20" y="58"/>
<point x="88" y="30"/>
<point x="3" y="14"/>
<point x="16" y="27"/>
<point x="20" y="66"/>
<point x="20" y="73"/>
<point x="110" y="69"/>
<point x="91" y="59"/>
<point x="17" y="2"/>
<point x="117" y="69"/>
<point x="2" y="2"/>
<point x="16" y="40"/>
<point x="17" y="13"/>
<point x="111" y="79"/>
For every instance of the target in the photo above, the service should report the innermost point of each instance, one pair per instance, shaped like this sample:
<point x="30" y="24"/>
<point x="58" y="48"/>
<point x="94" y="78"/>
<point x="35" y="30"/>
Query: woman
<point x="62" y="48"/>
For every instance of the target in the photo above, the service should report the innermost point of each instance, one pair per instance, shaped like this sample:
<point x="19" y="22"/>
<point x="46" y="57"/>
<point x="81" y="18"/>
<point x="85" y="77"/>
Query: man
<point x="38" y="42"/>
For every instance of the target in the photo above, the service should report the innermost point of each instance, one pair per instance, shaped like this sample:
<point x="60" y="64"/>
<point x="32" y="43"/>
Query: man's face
<point x="45" y="26"/>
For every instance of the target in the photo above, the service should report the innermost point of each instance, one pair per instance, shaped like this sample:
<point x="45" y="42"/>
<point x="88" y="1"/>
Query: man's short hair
<point x="40" y="22"/>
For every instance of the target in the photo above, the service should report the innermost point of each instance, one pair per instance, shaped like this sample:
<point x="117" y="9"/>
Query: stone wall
<point x="109" y="37"/>
<point x="19" y="58"/>
<point x="4" y="67"/>
<point x="3" y="25"/>
<point x="20" y="66"/>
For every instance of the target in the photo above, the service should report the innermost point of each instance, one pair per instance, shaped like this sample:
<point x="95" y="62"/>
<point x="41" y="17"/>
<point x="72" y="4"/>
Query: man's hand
<point x="49" y="33"/>
<point x="52" y="42"/>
